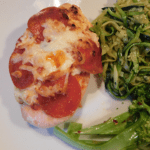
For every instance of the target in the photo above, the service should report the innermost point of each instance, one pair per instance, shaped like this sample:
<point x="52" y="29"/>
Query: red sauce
<point x="62" y="105"/>
<point x="19" y="50"/>
<point x="92" y="55"/>
<point x="59" y="81"/>
<point x="40" y="69"/>
<point x="28" y="64"/>
<point x="23" y="80"/>
<point x="36" y="21"/>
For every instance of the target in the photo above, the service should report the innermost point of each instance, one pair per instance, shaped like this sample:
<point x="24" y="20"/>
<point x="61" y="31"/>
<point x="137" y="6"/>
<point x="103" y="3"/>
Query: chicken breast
<point x="40" y="119"/>
<point x="51" y="64"/>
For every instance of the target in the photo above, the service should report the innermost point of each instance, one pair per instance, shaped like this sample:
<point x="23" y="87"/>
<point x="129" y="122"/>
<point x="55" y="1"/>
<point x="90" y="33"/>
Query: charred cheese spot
<point x="74" y="9"/>
<point x="73" y="25"/>
<point x="65" y="16"/>
<point x="93" y="53"/>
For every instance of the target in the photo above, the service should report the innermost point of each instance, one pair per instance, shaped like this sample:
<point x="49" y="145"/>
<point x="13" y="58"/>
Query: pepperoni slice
<point x="21" y="78"/>
<point x="36" y="21"/>
<point x="62" y="105"/>
<point x="92" y="58"/>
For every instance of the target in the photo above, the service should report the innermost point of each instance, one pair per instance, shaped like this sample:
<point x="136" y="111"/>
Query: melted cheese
<point x="27" y="95"/>
<point x="37" y="54"/>
<point x="60" y="41"/>
<point x="53" y="54"/>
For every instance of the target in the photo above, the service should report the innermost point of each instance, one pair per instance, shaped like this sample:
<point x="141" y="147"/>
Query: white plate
<point x="15" y="133"/>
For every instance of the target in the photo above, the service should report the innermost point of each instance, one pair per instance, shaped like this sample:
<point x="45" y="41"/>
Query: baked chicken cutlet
<point x="51" y="64"/>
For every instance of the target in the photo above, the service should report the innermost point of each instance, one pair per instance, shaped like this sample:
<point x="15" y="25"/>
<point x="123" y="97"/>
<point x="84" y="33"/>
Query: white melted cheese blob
<point x="36" y="53"/>
<point x="28" y="95"/>
<point x="61" y="39"/>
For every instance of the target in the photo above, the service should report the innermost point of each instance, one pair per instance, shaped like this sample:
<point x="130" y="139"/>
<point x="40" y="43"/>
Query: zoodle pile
<point x="124" y="36"/>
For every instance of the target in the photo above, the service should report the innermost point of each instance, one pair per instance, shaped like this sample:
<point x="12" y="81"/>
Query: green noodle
<point x="124" y="33"/>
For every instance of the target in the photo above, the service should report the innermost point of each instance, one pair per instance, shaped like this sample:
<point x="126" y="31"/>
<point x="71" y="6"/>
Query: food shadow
<point x="44" y="132"/>
<point x="94" y="85"/>
<point x="49" y="132"/>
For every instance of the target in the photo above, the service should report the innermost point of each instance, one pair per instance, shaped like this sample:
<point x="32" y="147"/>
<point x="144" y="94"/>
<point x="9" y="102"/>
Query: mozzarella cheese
<point x="28" y="95"/>
<point x="54" y="54"/>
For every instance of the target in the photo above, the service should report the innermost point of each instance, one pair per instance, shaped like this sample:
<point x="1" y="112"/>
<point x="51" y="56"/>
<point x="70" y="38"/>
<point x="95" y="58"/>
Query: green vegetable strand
<point x="126" y="138"/>
<point x="124" y="96"/>
<point x="113" y="14"/>
<point x="112" y="126"/>
<point x="123" y="14"/>
<point x="134" y="39"/>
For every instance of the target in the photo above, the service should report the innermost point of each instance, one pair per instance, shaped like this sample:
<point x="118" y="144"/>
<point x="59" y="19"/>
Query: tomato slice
<point x="62" y="105"/>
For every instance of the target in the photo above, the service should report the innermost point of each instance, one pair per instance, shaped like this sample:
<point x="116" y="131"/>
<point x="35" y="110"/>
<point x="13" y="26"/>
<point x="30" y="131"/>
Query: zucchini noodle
<point x="124" y="33"/>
